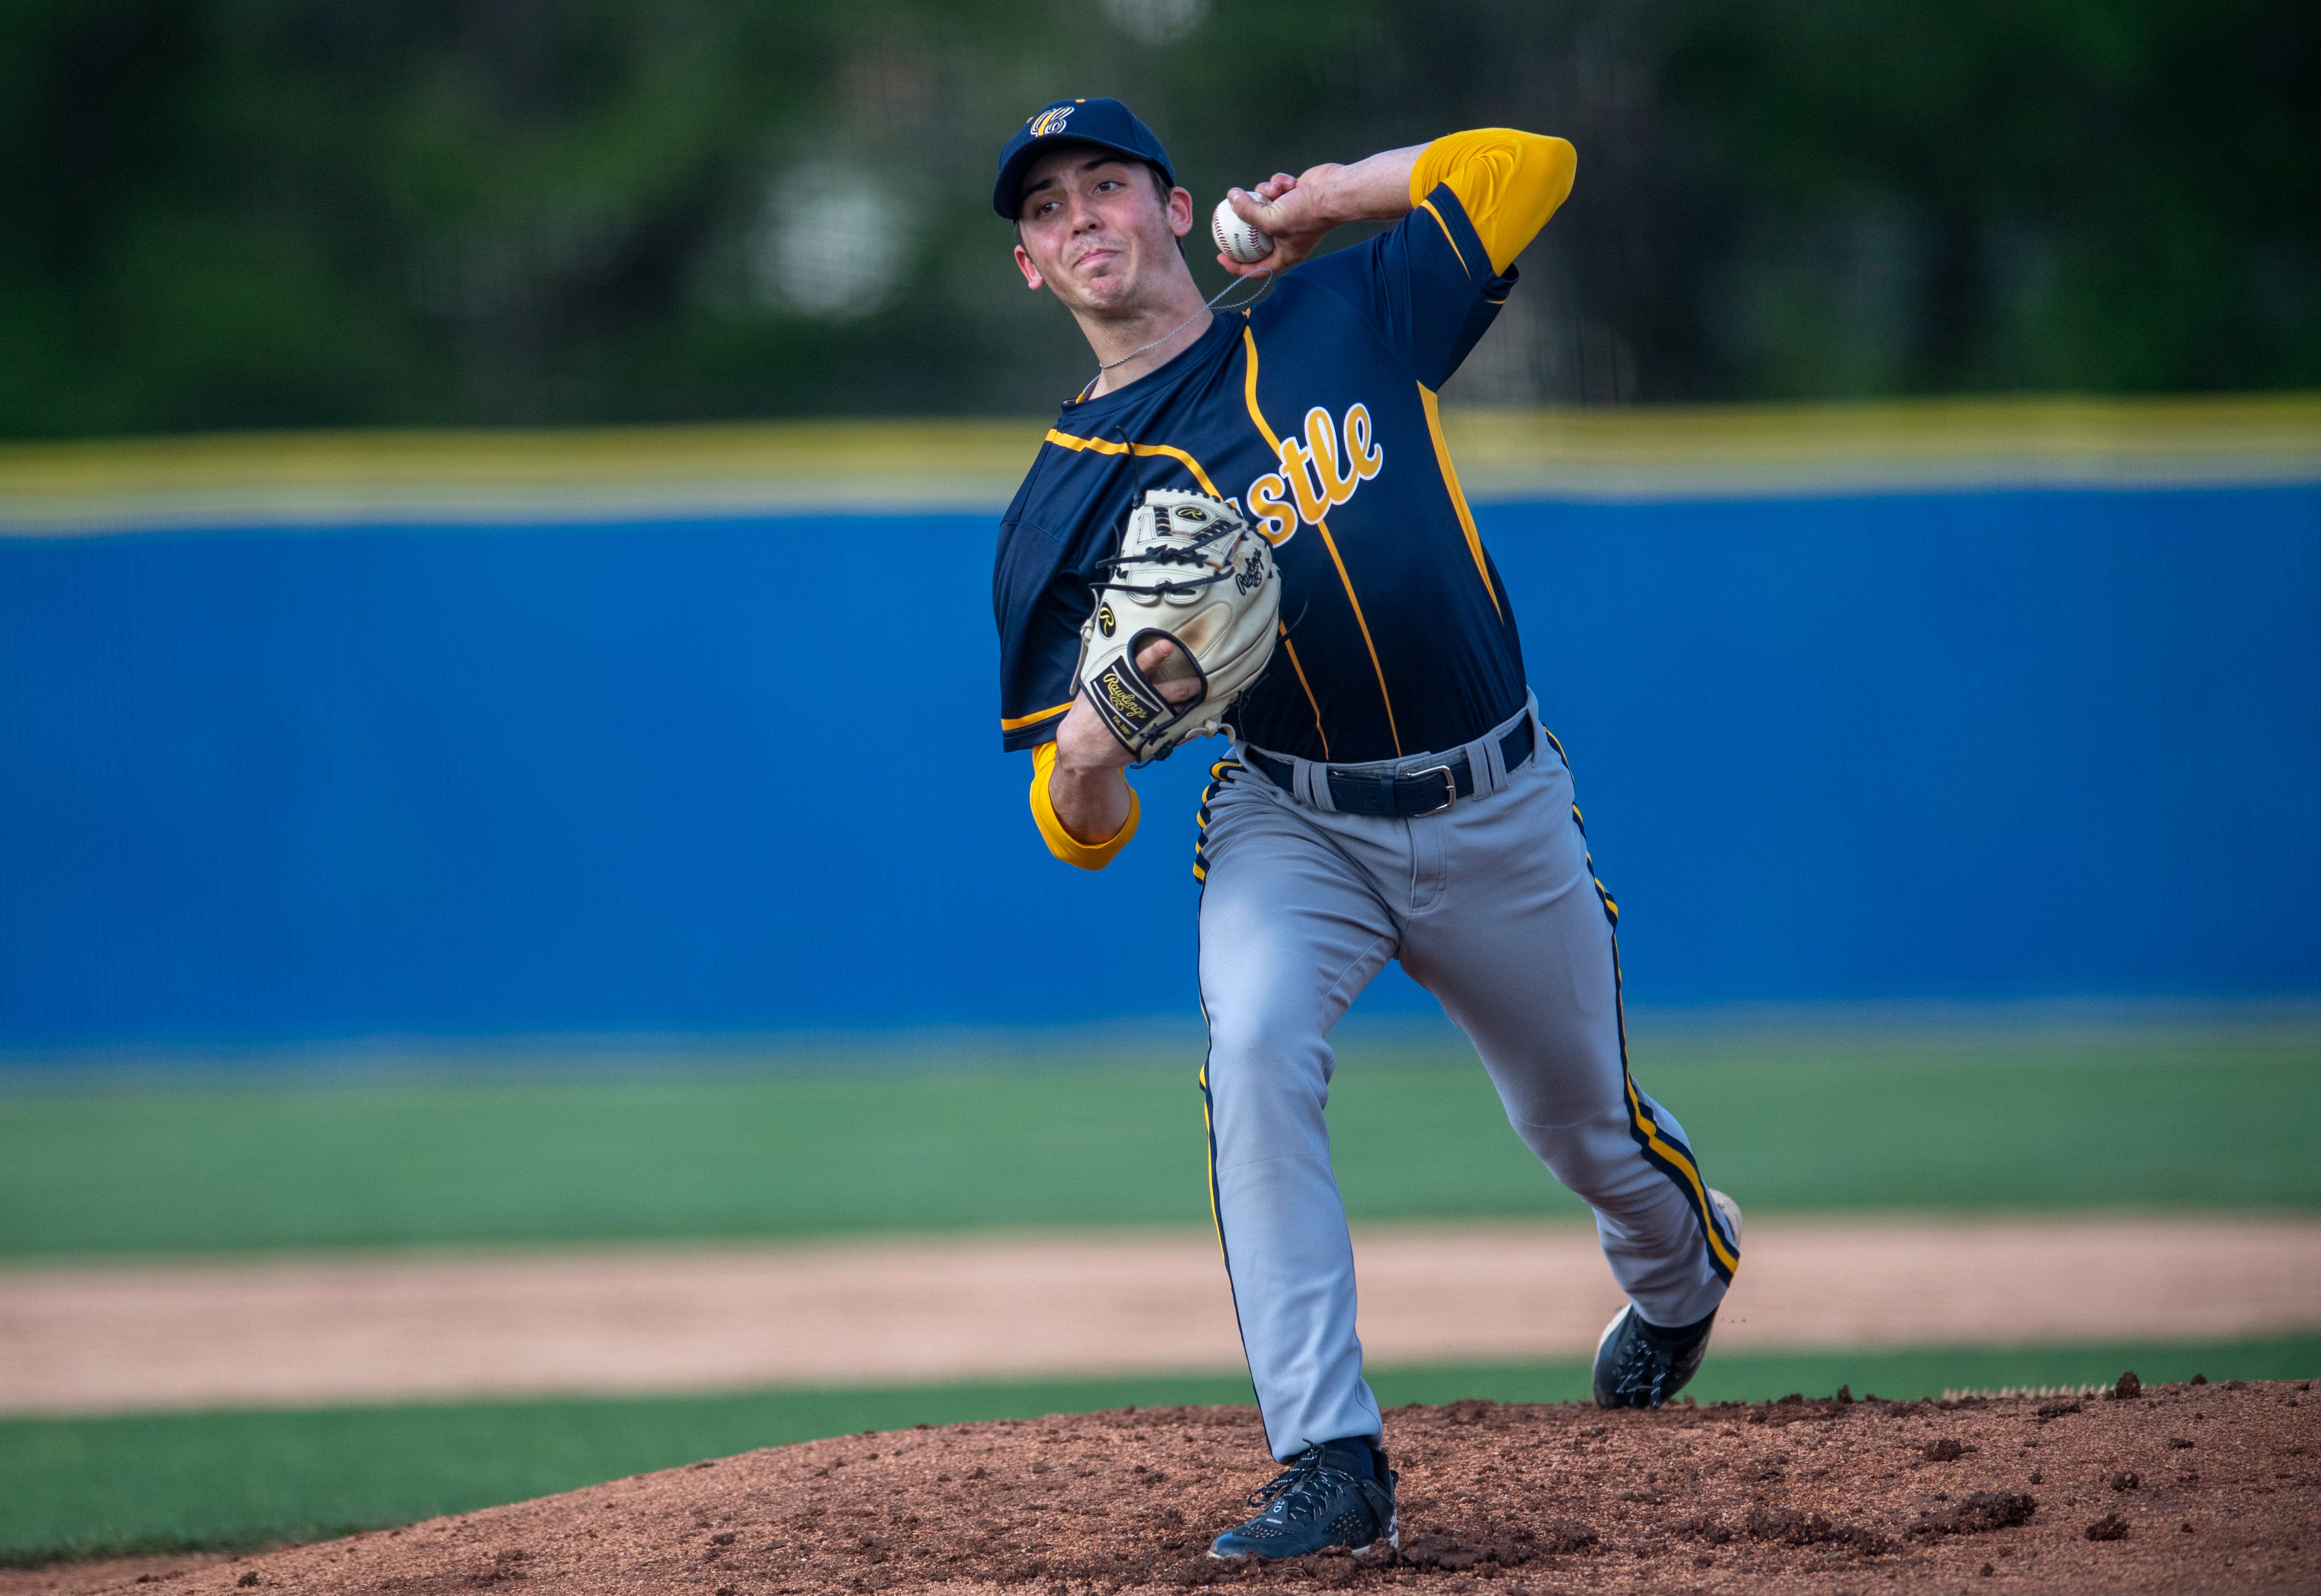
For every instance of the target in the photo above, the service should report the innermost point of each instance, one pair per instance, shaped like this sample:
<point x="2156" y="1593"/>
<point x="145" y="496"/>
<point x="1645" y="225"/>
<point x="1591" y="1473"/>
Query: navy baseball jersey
<point x="1314" y="413"/>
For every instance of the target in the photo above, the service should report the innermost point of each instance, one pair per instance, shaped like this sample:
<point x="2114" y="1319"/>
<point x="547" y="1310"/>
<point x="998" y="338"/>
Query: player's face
<point x="1096" y="229"/>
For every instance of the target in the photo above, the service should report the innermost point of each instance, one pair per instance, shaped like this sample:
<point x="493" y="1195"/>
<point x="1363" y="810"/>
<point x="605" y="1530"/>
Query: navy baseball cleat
<point x="1639" y="1364"/>
<point x="1340" y="1493"/>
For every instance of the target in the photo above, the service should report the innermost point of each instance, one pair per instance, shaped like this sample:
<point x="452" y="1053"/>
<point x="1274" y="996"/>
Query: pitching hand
<point x="1292" y="211"/>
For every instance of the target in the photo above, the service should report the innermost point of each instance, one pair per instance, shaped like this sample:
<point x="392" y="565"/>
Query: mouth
<point x="1101" y="255"/>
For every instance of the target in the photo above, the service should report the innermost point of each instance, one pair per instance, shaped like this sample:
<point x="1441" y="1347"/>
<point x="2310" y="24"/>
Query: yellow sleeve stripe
<point x="1034" y="718"/>
<point x="1428" y="206"/>
<point x="1458" y="497"/>
<point x="1105" y="446"/>
<point x="1510" y="183"/>
<point x="1088" y="855"/>
<point x="1272" y="443"/>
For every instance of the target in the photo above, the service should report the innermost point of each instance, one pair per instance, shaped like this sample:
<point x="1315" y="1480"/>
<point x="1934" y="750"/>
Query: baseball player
<point x="1389" y="791"/>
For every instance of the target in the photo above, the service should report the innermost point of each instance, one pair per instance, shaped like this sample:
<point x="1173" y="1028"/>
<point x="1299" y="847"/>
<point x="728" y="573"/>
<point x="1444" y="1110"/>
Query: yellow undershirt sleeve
<point x="1088" y="855"/>
<point x="1509" y="183"/>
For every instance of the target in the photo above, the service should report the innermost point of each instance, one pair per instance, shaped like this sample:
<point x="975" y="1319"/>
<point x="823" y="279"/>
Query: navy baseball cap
<point x="1105" y="123"/>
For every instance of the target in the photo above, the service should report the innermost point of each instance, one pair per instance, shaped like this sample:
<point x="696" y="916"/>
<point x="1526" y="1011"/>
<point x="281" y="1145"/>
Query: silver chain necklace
<point x="1263" y="288"/>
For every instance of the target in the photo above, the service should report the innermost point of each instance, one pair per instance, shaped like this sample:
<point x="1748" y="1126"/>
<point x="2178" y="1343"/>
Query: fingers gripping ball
<point x="1236" y="238"/>
<point x="1192" y="571"/>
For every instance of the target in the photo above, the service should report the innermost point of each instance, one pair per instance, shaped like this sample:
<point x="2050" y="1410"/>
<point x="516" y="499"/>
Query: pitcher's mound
<point x="2178" y="1488"/>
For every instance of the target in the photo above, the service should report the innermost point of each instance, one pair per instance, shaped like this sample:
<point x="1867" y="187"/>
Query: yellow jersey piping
<point x="1291" y="650"/>
<point x="1457" y="496"/>
<point x="1107" y="447"/>
<point x="1020" y="721"/>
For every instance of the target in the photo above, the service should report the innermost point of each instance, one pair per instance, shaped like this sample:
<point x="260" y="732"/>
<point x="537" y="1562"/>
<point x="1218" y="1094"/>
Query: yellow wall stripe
<point x="321" y="480"/>
<point x="1274" y="443"/>
<point x="1107" y="447"/>
<point x="1458" y="498"/>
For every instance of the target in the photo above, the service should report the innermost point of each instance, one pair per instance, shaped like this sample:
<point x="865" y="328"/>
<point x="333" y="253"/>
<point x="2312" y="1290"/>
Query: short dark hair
<point x="1161" y="187"/>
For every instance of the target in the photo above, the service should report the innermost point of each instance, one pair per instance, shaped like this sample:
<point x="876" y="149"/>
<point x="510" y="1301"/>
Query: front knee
<point x="1266" y="1089"/>
<point x="1269" y="1036"/>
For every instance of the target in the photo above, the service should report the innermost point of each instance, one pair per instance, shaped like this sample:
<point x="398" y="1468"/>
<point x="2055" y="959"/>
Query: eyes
<point x="1044" y="209"/>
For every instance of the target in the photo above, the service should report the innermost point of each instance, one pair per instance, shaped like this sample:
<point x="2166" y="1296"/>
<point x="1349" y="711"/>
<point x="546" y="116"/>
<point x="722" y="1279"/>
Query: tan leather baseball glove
<point x="1192" y="570"/>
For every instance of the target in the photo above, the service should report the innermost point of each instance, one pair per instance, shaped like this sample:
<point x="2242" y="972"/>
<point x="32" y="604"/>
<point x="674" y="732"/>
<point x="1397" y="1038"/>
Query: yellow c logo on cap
<point x="1050" y="121"/>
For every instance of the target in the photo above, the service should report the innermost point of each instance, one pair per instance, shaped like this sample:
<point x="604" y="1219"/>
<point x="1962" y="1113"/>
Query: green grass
<point x="1964" y="1120"/>
<point x="95" y="1487"/>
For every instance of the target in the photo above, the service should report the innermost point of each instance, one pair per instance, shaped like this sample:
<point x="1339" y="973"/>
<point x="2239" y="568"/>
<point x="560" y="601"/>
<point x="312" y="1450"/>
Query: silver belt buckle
<point x="1449" y="788"/>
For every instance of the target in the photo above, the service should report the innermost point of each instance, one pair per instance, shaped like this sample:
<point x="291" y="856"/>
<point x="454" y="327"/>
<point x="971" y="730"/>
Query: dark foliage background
<point x="293" y="212"/>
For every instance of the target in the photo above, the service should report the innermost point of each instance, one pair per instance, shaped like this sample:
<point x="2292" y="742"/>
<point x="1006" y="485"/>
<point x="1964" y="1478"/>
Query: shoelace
<point x="1281" y="1496"/>
<point x="1644" y="1368"/>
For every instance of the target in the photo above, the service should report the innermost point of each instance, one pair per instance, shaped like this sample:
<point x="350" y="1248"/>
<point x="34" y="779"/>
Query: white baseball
<point x="1236" y="238"/>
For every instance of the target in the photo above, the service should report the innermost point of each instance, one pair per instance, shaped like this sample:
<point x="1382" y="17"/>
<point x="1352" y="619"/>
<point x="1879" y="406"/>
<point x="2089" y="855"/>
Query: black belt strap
<point x="1400" y="797"/>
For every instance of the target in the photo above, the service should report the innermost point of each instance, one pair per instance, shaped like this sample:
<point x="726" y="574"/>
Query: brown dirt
<point x="1821" y="1496"/>
<point x="113" y="1573"/>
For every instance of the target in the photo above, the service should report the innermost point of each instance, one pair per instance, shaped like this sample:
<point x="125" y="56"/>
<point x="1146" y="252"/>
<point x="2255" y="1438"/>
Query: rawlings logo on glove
<point x="1193" y="572"/>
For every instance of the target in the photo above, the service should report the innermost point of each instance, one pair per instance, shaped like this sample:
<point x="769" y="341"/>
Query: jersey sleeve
<point x="1039" y="600"/>
<point x="1039" y="597"/>
<point x="1432" y="284"/>
<point x="1507" y="183"/>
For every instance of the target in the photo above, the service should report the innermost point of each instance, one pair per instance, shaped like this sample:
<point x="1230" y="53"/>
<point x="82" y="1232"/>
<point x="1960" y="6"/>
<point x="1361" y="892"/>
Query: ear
<point x="1180" y="212"/>
<point x="1031" y="278"/>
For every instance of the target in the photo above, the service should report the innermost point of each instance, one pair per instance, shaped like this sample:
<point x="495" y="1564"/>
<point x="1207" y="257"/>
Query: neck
<point x="1170" y="324"/>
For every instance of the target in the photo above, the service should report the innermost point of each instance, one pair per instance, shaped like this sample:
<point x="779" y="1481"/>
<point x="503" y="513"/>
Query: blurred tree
<point x="291" y="213"/>
<point x="2100" y="194"/>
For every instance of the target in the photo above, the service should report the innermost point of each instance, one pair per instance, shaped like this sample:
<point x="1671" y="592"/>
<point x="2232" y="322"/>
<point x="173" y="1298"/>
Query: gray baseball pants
<point x="1492" y="905"/>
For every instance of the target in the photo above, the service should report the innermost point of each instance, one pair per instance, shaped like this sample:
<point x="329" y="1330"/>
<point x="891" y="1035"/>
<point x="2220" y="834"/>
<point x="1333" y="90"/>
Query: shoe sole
<point x="1391" y="1540"/>
<point x="1610" y="1330"/>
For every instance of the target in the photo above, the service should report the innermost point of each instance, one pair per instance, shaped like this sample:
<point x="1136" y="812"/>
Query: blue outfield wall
<point x="266" y="786"/>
